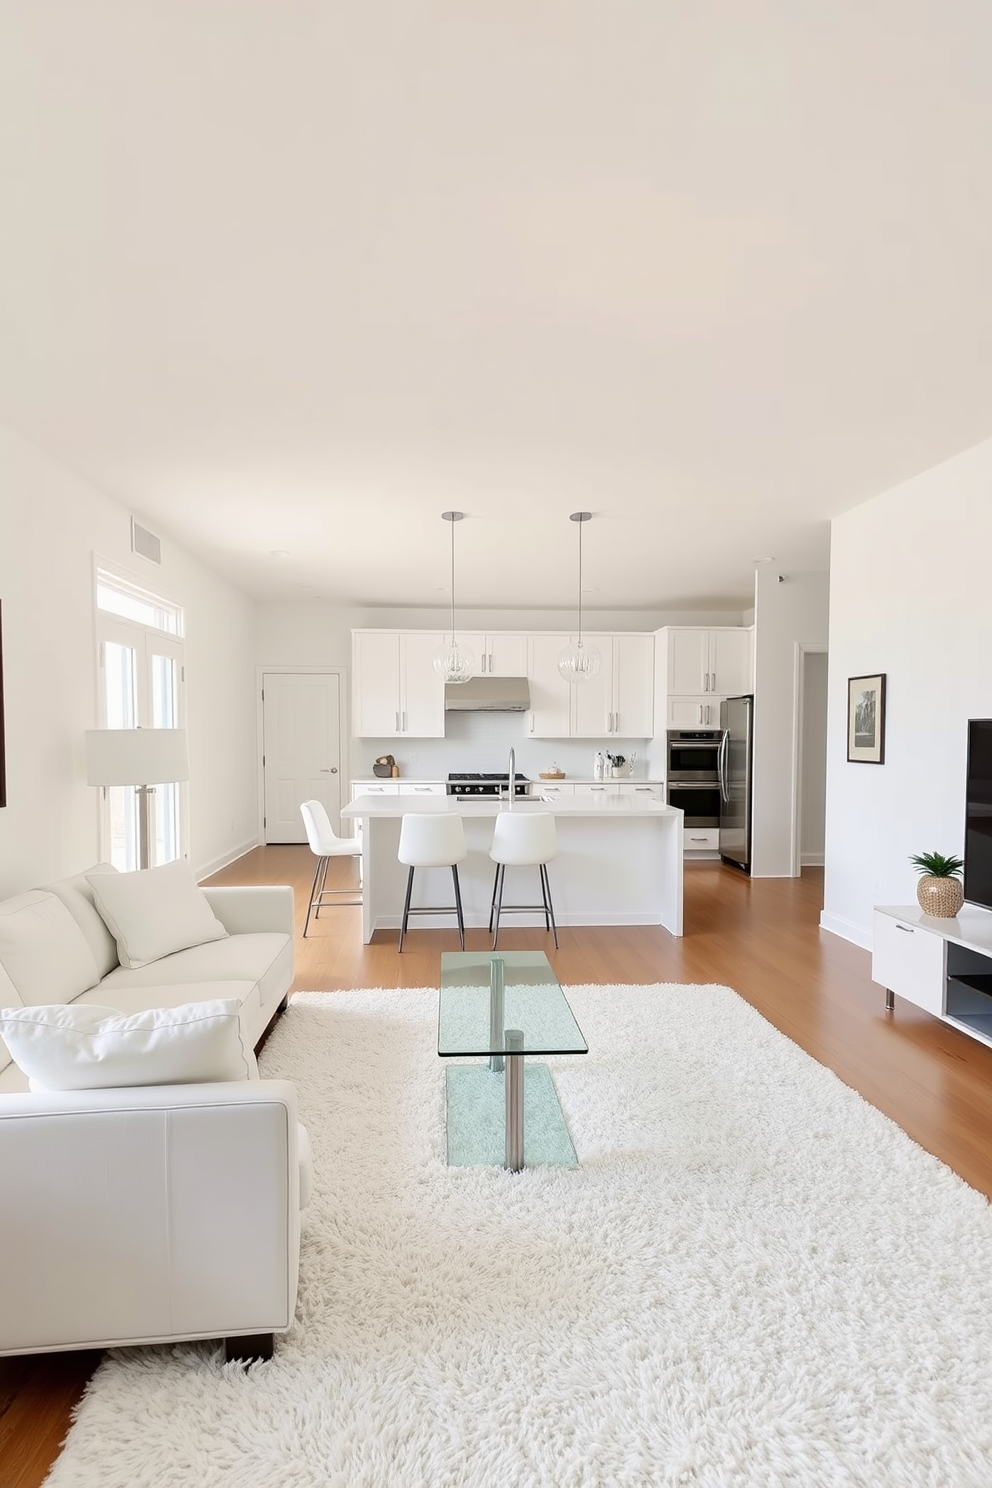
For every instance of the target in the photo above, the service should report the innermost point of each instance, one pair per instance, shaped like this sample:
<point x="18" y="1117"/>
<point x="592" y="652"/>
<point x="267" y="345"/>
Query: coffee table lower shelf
<point x="475" y="1104"/>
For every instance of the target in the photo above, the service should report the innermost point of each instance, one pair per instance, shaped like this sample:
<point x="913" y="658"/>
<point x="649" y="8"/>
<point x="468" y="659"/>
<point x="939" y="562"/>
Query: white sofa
<point x="155" y="1213"/>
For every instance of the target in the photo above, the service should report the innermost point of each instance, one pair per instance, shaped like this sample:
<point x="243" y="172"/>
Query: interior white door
<point x="301" y="749"/>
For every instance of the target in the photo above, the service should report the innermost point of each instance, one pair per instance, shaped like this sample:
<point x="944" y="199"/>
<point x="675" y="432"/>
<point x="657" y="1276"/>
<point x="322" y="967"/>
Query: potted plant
<point x="939" y="890"/>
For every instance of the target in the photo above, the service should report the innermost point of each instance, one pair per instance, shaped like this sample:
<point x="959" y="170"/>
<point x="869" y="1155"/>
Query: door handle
<point x="334" y="769"/>
<point x="324" y="770"/>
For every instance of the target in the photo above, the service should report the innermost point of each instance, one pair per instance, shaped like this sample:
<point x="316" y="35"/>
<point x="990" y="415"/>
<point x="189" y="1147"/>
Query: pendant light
<point x="579" y="662"/>
<point x="454" y="663"/>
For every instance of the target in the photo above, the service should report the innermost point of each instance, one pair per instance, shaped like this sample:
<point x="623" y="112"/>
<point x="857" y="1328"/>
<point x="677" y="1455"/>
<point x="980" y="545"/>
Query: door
<point x="688" y="662"/>
<point x="549" y="692"/>
<point x="301" y="749"/>
<point x="730" y="661"/>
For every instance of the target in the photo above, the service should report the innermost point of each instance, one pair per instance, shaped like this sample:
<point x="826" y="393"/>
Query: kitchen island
<point x="619" y="862"/>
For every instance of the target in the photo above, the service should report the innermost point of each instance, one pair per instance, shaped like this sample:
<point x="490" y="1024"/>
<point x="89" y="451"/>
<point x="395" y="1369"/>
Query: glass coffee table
<point x="504" y="1005"/>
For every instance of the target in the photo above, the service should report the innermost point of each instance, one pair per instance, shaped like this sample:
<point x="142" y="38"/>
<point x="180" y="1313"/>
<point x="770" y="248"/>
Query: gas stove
<point x="486" y="785"/>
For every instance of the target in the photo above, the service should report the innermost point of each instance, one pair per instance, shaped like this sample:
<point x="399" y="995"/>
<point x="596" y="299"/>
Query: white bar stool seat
<point x="429" y="840"/>
<point x="523" y="841"/>
<point x="326" y="844"/>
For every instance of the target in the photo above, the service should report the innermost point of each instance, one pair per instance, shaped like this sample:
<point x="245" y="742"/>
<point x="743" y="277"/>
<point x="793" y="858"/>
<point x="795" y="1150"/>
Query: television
<point x="978" y="814"/>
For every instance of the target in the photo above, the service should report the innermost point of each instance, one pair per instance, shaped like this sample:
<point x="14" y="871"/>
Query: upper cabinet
<point x="498" y="653"/>
<point x="550" y="703"/>
<point x="619" y="702"/>
<point x="715" y="660"/>
<point x="395" y="689"/>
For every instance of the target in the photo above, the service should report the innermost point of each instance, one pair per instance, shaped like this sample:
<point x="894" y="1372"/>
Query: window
<point x="141" y="683"/>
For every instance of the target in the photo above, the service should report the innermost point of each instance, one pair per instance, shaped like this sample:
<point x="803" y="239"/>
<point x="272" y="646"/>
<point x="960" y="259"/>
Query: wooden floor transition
<point x="759" y="936"/>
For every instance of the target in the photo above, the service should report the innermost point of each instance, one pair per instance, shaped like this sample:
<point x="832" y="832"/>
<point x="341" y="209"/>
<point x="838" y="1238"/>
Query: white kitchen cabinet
<point x="395" y="690"/>
<point x="550" y="701"/>
<point x="700" y="840"/>
<point x="497" y="653"/>
<point x="702" y="662"/>
<point x="693" y="712"/>
<point x="619" y="702"/>
<point x="422" y="788"/>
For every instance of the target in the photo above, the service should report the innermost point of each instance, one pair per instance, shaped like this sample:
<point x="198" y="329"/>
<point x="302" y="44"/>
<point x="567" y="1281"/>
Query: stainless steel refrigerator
<point x="736" y="721"/>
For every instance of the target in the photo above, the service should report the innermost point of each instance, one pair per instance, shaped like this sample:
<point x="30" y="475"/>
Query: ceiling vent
<point x="145" y="543"/>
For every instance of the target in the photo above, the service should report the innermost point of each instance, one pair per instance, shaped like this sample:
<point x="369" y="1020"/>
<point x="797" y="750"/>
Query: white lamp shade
<point x="140" y="756"/>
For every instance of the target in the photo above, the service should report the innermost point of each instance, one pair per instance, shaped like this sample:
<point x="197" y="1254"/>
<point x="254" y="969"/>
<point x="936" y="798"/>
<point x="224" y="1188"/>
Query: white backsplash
<point x="482" y="741"/>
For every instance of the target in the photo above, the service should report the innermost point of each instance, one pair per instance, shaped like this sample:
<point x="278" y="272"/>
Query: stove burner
<point x="485" y="784"/>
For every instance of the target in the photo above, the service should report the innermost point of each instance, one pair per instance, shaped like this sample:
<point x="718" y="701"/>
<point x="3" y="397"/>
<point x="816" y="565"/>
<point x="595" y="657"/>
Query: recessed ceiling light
<point x="757" y="561"/>
<point x="278" y="553"/>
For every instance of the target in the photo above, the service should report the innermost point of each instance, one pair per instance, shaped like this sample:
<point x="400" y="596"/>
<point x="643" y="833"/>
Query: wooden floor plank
<point x="758" y="936"/>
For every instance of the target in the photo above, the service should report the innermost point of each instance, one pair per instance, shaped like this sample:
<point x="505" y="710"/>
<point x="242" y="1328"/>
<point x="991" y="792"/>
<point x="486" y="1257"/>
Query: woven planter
<point x="940" y="897"/>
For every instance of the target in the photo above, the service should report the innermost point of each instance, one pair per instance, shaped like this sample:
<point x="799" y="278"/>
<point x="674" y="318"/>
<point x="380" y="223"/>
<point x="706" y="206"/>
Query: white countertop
<point x="471" y="806"/>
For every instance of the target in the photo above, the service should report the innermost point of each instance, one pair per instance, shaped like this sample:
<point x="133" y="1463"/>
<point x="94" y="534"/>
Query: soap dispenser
<point x="599" y="766"/>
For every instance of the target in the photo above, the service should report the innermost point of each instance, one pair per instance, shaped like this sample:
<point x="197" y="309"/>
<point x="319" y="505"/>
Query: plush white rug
<point x="753" y="1279"/>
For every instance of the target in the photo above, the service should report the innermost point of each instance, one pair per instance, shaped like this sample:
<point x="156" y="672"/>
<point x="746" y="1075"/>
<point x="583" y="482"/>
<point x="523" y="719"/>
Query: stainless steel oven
<point x="700" y="800"/>
<point x="694" y="754"/>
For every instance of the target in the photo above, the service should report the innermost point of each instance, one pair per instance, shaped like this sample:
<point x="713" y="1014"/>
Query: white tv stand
<point x="943" y="966"/>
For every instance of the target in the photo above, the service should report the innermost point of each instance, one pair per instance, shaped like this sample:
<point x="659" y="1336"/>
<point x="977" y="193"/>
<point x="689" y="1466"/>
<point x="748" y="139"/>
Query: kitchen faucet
<point x="511" y="785"/>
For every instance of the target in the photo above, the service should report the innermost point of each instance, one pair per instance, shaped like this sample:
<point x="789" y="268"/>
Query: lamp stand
<point x="144" y="794"/>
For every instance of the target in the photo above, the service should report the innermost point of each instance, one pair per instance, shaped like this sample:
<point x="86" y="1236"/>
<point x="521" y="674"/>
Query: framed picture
<point x="866" y="719"/>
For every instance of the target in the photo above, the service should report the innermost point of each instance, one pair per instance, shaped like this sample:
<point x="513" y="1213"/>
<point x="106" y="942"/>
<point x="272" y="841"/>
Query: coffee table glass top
<point x="532" y="1002"/>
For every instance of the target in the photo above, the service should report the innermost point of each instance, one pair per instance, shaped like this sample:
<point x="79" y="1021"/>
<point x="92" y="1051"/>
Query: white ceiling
<point x="299" y="275"/>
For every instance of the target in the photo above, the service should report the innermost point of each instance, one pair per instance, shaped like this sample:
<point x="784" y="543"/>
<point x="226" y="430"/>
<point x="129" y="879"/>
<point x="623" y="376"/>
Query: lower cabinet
<point x="943" y="967"/>
<point x="700" y="839"/>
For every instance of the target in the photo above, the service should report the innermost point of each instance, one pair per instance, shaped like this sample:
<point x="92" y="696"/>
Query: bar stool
<point x="429" y="840"/>
<point x="522" y="840"/>
<point x="326" y="844"/>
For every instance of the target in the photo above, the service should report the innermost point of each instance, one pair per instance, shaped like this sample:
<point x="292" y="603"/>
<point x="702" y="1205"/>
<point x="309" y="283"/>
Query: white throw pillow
<point x="97" y="1048"/>
<point x="154" y="912"/>
<point x="43" y="950"/>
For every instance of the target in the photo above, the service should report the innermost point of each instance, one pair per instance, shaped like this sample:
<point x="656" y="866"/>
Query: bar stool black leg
<point x="313" y="895"/>
<point x="546" y="885"/>
<point x="500" y="875"/>
<point x="492" y="906"/>
<point x="406" y="908"/>
<point x="458" y="906"/>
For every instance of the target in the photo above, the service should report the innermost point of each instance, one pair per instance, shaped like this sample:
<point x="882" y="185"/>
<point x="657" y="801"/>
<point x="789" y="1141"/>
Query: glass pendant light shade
<point x="453" y="662"/>
<point x="579" y="662"/>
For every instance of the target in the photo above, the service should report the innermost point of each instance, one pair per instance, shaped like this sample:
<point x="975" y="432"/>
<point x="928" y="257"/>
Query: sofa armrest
<point x="245" y="909"/>
<point x="148" y="1215"/>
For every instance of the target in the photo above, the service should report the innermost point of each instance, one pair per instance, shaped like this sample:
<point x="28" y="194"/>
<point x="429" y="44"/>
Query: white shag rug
<point x="754" y="1278"/>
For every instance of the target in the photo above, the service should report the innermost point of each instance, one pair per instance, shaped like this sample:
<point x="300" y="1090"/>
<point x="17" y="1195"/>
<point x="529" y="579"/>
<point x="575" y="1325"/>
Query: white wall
<point x="813" y="760"/>
<point x="911" y="597"/>
<point x="786" y="614"/>
<point x="52" y="523"/>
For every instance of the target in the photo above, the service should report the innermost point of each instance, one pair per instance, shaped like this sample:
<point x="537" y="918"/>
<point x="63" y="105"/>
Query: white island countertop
<point x="619" y="859"/>
<point x="466" y="806"/>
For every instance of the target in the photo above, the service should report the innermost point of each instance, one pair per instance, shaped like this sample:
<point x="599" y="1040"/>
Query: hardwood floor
<point x="759" y="936"/>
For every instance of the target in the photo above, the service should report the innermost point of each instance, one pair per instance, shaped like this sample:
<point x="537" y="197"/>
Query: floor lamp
<point x="135" y="757"/>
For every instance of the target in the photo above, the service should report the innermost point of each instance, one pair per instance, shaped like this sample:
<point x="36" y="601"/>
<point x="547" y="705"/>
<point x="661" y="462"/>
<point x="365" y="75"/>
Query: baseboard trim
<point x="811" y="860"/>
<point x="846" y="929"/>
<point x="216" y="864"/>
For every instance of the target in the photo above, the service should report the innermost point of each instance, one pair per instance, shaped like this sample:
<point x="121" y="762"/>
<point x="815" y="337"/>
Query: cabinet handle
<point x="713" y="688"/>
<point x="397" y="723"/>
<point x="706" y="681"/>
<point x="907" y="929"/>
<point x="700" y="712"/>
<point x="697" y="839"/>
<point x="404" y="720"/>
<point x="490" y="661"/>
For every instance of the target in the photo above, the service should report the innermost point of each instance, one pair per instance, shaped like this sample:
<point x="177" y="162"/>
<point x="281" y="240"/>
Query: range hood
<point x="487" y="695"/>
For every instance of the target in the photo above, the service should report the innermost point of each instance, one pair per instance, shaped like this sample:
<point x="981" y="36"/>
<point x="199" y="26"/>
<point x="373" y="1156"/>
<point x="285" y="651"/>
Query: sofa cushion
<point x="43" y="950"/>
<point x="8" y="998"/>
<point x="77" y="896"/>
<point x="265" y="958"/>
<point x="87" y="1047"/>
<point x="136" y="999"/>
<point x="154" y="911"/>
